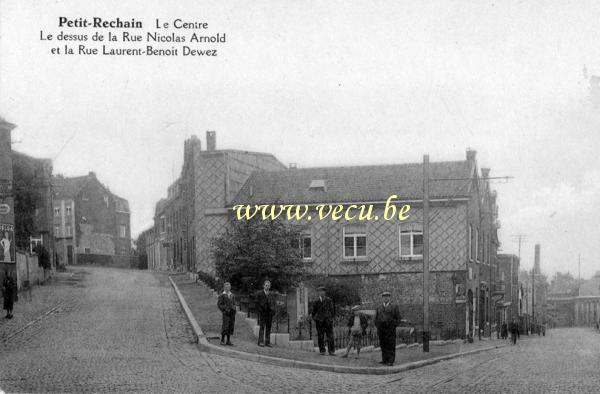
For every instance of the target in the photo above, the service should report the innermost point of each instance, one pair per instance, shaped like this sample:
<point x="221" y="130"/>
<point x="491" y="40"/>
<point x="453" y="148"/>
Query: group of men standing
<point x="387" y="318"/>
<point x="265" y="303"/>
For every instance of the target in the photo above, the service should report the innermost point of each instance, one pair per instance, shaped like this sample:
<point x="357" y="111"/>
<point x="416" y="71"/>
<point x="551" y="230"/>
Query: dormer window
<point x="317" y="184"/>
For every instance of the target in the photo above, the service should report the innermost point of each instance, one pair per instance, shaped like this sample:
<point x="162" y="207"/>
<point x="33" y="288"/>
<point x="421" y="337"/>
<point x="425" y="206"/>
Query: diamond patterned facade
<point x="462" y="218"/>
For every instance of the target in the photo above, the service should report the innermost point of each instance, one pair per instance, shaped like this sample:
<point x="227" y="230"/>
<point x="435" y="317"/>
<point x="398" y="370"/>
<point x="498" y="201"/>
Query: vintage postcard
<point x="302" y="196"/>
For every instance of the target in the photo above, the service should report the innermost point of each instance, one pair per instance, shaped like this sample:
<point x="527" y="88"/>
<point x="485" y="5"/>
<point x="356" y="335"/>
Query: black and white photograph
<point x="302" y="197"/>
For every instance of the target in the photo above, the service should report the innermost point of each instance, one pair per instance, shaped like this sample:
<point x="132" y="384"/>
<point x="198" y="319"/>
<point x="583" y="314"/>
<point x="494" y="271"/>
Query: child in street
<point x="357" y="328"/>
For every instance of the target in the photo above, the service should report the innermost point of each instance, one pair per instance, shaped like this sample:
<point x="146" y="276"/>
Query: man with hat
<point x="322" y="313"/>
<point x="387" y="317"/>
<point x="226" y="304"/>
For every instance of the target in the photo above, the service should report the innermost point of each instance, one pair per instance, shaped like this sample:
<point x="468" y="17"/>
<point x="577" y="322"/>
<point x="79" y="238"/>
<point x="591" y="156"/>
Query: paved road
<point x="117" y="330"/>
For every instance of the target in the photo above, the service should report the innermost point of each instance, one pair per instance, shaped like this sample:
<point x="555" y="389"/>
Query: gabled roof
<point x="355" y="184"/>
<point x="68" y="187"/>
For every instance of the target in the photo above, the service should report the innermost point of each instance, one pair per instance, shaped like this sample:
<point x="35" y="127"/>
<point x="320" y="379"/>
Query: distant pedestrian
<point x="322" y="313"/>
<point x="9" y="293"/>
<point x="514" y="331"/>
<point x="387" y="318"/>
<point x="226" y="304"/>
<point x="504" y="331"/>
<point x="265" y="303"/>
<point x="357" y="328"/>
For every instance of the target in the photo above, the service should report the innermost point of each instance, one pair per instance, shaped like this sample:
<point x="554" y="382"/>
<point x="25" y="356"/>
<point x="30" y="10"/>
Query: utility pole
<point x="533" y="296"/>
<point x="579" y="275"/>
<point x="426" y="253"/>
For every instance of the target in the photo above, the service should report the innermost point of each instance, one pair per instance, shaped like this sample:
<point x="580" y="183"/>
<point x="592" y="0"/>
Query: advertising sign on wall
<point x="7" y="243"/>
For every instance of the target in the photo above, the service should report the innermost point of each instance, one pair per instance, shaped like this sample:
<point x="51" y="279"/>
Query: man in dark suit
<point x="265" y="304"/>
<point x="226" y="304"/>
<point x="322" y="313"/>
<point x="387" y="317"/>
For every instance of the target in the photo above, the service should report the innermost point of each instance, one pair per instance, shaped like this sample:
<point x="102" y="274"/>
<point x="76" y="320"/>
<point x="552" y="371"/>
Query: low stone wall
<point x="28" y="269"/>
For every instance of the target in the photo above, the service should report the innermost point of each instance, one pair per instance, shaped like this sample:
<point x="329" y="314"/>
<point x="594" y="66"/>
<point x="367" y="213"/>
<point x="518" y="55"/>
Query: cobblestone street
<point x="119" y="330"/>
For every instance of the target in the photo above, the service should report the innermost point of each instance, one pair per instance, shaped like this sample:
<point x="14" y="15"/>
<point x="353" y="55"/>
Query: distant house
<point x="580" y="307"/>
<point x="91" y="224"/>
<point x="509" y="303"/>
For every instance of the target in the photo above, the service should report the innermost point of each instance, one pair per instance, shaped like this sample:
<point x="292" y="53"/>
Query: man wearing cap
<point x="387" y="317"/>
<point x="322" y="313"/>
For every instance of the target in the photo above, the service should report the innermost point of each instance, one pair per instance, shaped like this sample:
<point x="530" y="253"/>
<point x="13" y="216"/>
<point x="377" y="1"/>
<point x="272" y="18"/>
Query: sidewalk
<point x="203" y="307"/>
<point x="36" y="301"/>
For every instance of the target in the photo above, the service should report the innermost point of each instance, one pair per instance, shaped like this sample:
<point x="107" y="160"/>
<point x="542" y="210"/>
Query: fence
<point x="341" y="337"/>
<point x="281" y="320"/>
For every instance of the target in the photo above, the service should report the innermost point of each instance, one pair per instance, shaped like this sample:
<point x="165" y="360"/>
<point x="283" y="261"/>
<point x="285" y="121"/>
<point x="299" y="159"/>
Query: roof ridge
<point x="365" y="166"/>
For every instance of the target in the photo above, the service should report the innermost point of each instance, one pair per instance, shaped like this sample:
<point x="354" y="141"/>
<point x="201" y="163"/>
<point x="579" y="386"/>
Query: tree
<point x="254" y="250"/>
<point x="43" y="256"/>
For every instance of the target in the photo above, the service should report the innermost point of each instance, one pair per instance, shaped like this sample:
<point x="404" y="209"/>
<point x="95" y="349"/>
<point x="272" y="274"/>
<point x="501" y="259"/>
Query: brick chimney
<point x="471" y="154"/>
<point x="536" y="267"/>
<point x="211" y="140"/>
<point x="485" y="172"/>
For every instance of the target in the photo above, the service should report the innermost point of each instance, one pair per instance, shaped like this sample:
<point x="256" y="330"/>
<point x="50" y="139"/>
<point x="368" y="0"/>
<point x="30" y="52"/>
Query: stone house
<point x="196" y="207"/>
<point x="91" y="224"/>
<point x="387" y="255"/>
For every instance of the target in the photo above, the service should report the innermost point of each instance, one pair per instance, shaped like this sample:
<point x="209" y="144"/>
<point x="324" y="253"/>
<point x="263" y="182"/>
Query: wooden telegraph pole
<point x="426" y="253"/>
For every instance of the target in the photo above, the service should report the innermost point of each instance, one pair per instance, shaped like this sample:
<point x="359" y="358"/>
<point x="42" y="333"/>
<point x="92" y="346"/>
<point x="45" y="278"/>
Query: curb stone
<point x="207" y="347"/>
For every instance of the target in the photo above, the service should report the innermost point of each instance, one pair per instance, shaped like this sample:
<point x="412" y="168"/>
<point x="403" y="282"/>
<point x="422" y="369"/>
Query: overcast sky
<point x="331" y="83"/>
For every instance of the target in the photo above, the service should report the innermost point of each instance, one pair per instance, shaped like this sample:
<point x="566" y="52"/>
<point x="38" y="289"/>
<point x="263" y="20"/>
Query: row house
<point x="196" y="206"/>
<point x="508" y="289"/>
<point x="26" y="231"/>
<point x="91" y="224"/>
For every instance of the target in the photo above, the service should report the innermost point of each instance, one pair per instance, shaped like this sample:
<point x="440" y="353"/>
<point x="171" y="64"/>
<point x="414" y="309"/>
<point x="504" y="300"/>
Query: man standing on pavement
<point x="265" y="303"/>
<point x="387" y="317"/>
<point x="514" y="331"/>
<point x="226" y="304"/>
<point x="322" y="313"/>
<point x="9" y="292"/>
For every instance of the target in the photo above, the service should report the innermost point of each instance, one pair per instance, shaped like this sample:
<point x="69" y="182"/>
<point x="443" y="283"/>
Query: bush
<point x="43" y="256"/>
<point x="210" y="281"/>
<point x="343" y="293"/>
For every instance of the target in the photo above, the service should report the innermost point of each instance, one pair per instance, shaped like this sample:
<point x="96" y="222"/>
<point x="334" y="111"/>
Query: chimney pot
<point x="211" y="140"/>
<point x="471" y="154"/>
<point x="485" y="172"/>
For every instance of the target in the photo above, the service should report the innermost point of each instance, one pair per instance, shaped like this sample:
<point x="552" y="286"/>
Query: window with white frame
<point x="122" y="231"/>
<point x="68" y="232"/>
<point x="34" y="242"/>
<point x="411" y="239"/>
<point x="304" y="245"/>
<point x="355" y="241"/>
<point x="57" y="231"/>
<point x="68" y="209"/>
<point x="56" y="211"/>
